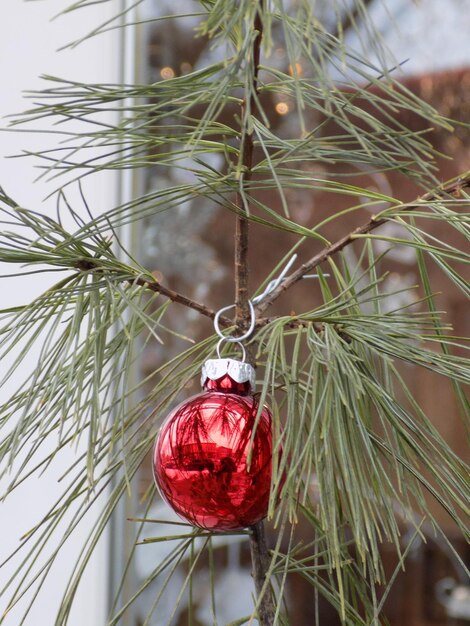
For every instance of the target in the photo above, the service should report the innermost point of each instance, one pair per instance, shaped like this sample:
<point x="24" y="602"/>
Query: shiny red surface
<point x="227" y="384"/>
<point x="201" y="461"/>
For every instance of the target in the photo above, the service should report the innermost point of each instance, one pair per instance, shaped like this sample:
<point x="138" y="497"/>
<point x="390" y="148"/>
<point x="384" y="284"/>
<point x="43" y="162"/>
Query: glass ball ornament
<point x="213" y="455"/>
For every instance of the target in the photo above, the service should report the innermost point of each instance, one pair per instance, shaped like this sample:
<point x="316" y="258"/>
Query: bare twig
<point x="260" y="561"/>
<point x="451" y="189"/>
<point x="182" y="299"/>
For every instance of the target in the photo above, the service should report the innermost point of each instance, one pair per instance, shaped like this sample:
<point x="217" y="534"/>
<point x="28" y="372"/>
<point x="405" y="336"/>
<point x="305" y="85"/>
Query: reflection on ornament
<point x="208" y="465"/>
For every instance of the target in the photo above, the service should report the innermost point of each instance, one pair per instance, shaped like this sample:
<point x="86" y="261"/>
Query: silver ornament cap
<point x="239" y="371"/>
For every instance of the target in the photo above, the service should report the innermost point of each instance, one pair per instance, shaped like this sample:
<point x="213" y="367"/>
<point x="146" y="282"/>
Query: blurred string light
<point x="185" y="67"/>
<point x="282" y="108"/>
<point x="295" y="70"/>
<point x="167" y="72"/>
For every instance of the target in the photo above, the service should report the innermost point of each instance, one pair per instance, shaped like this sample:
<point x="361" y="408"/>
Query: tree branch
<point x="250" y="107"/>
<point x="91" y="264"/>
<point x="260" y="561"/>
<point x="174" y="296"/>
<point x="453" y="188"/>
<point x="258" y="547"/>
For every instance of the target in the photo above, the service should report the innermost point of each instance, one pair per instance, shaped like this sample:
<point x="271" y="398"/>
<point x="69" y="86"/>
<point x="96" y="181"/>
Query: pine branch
<point x="249" y="108"/>
<point x="175" y="296"/>
<point x="259" y="550"/>
<point x="157" y="287"/>
<point x="453" y="188"/>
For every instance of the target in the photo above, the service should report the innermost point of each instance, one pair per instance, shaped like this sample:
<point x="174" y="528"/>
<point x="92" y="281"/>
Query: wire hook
<point x="241" y="337"/>
<point x="274" y="284"/>
<point x="271" y="286"/>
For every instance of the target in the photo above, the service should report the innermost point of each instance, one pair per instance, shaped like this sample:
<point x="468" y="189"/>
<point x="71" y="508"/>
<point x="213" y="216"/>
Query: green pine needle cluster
<point x="360" y="458"/>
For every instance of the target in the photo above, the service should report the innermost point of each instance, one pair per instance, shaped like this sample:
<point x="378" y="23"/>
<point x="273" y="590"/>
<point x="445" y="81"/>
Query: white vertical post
<point x="29" y="43"/>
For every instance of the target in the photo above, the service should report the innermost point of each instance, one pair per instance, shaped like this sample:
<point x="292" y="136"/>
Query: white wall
<point x="28" y="48"/>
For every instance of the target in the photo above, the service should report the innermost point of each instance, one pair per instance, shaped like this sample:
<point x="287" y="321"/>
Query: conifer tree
<point x="355" y="457"/>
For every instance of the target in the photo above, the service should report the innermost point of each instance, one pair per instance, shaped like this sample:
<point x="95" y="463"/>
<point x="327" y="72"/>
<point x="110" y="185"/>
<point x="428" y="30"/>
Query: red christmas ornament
<point x="208" y="465"/>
